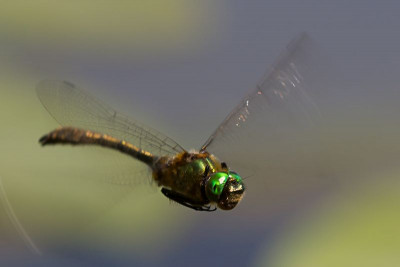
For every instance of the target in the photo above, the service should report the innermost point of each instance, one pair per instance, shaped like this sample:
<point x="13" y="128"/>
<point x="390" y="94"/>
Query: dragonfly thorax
<point x="197" y="179"/>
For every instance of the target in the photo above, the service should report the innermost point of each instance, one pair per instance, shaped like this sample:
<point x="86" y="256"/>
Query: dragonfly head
<point x="225" y="188"/>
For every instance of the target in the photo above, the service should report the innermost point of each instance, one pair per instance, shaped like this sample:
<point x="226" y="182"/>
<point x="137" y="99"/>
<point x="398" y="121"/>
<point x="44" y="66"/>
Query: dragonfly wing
<point x="273" y="133"/>
<point x="72" y="106"/>
<point x="105" y="178"/>
<point x="281" y="90"/>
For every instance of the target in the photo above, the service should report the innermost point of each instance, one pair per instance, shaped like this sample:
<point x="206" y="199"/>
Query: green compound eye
<point x="235" y="176"/>
<point x="215" y="185"/>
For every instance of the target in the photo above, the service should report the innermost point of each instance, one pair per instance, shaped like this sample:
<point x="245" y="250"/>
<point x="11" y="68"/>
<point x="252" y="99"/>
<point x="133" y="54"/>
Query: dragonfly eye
<point x="235" y="176"/>
<point x="215" y="189"/>
<point x="215" y="185"/>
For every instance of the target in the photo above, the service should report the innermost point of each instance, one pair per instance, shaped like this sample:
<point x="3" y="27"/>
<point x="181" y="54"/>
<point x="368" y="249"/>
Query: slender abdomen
<point x="76" y="136"/>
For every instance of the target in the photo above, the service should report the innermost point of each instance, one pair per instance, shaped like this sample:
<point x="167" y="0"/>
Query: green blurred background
<point x="180" y="66"/>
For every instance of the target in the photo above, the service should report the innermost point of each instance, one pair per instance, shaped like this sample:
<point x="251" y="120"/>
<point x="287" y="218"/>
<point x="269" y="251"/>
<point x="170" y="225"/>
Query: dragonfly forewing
<point x="72" y="106"/>
<point x="282" y="92"/>
<point x="273" y="134"/>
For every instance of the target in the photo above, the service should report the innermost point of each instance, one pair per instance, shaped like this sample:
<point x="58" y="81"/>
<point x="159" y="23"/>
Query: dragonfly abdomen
<point x="77" y="136"/>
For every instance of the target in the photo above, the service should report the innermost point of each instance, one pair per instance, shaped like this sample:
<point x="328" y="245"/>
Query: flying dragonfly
<point x="197" y="179"/>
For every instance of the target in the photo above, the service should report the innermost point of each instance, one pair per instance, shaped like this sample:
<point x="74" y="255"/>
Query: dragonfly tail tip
<point x="44" y="140"/>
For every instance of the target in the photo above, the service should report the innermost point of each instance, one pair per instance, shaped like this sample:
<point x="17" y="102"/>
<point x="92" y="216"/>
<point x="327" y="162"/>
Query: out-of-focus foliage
<point x="124" y="26"/>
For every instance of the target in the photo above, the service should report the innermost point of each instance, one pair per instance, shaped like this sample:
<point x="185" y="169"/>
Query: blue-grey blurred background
<point x="180" y="66"/>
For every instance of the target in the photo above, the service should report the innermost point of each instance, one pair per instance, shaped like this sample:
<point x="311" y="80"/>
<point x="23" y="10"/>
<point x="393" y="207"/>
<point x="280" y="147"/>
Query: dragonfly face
<point x="225" y="189"/>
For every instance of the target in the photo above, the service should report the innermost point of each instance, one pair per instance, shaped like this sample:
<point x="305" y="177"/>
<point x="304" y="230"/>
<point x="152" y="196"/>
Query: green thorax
<point x="185" y="173"/>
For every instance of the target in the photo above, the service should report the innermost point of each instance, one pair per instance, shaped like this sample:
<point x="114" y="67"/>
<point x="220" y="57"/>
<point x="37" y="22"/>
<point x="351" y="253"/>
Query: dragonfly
<point x="197" y="179"/>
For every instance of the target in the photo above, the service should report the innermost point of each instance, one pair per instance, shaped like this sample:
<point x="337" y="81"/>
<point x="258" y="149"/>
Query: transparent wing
<point x="100" y="180"/>
<point x="273" y="133"/>
<point x="71" y="106"/>
<point x="109" y="177"/>
<point x="281" y="90"/>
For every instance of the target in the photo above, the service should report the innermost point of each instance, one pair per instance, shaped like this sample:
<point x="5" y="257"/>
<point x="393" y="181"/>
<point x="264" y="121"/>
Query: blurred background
<point x="324" y="196"/>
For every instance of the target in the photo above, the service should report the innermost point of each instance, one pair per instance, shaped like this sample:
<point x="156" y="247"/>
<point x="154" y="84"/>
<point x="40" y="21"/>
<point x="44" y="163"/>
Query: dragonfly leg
<point x="184" y="201"/>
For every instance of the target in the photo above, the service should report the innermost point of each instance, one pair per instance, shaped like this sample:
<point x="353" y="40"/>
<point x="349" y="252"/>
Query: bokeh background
<point x="180" y="66"/>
